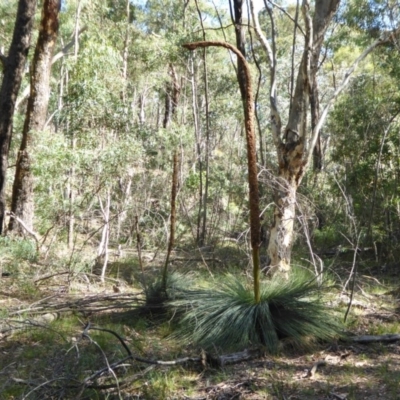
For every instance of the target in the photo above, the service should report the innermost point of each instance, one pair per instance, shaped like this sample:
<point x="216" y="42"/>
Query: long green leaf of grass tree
<point x="231" y="316"/>
<point x="228" y="318"/>
<point x="251" y="160"/>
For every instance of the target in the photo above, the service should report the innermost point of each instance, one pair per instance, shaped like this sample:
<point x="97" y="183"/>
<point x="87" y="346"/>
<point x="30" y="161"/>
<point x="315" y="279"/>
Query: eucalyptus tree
<point x="13" y="68"/>
<point x="295" y="143"/>
<point x="22" y="207"/>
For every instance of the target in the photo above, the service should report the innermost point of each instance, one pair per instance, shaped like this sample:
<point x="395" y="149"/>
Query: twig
<point x="374" y="279"/>
<point x="109" y="369"/>
<point x="131" y="356"/>
<point x="33" y="324"/>
<point x="50" y="276"/>
<point x="338" y="396"/>
<point x="41" y="385"/>
<point x="35" y="236"/>
<point x="313" y="370"/>
<point x="220" y="360"/>
<point x="116" y="335"/>
<point x="353" y="274"/>
<point x="294" y="20"/>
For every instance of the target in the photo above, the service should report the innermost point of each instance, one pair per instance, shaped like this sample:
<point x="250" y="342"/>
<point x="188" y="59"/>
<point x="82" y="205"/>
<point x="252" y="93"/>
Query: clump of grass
<point x="164" y="289"/>
<point x="229" y="317"/>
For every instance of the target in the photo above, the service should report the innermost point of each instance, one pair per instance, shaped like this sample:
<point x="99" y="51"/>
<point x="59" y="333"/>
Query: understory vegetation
<point x="65" y="334"/>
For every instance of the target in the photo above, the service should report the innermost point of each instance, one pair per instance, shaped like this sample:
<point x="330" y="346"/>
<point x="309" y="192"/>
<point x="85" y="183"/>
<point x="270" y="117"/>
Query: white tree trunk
<point x="102" y="251"/>
<point x="282" y="231"/>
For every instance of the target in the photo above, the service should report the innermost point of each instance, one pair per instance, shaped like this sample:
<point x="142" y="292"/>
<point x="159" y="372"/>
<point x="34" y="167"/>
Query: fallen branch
<point x="313" y="370"/>
<point x="43" y="278"/>
<point x="376" y="338"/>
<point x="58" y="303"/>
<point x="196" y="259"/>
<point x="204" y="359"/>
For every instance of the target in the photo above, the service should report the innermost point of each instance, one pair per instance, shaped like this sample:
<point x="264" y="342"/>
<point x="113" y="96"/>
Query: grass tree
<point x="228" y="317"/>
<point x="233" y="315"/>
<point x="251" y="160"/>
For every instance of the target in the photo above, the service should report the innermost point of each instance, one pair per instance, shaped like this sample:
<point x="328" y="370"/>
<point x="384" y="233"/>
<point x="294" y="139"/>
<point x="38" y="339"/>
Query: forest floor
<point x="64" y="337"/>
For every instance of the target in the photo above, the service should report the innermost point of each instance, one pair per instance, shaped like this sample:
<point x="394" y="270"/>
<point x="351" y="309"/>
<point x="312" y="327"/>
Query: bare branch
<point x="31" y="232"/>
<point x="295" y="131"/>
<point x="264" y="42"/>
<point x="219" y="360"/>
<point x="293" y="54"/>
<point x="222" y="28"/>
<point x="251" y="157"/>
<point x="309" y="37"/>
<point x="387" y="38"/>
<point x="63" y="52"/>
<point x="271" y="53"/>
<point x="390" y="337"/>
<point x="294" y="20"/>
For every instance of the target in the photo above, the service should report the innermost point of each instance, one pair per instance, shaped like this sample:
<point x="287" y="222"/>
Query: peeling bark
<point x="281" y="235"/>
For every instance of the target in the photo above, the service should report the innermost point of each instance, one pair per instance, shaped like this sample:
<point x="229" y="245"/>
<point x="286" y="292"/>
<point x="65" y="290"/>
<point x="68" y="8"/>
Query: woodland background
<point x="126" y="104"/>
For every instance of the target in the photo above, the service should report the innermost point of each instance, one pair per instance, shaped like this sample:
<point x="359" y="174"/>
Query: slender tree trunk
<point x="237" y="19"/>
<point x="294" y="145"/>
<point x="171" y="241"/>
<point x="315" y="114"/>
<point x="71" y="172"/>
<point x="22" y="196"/>
<point x="167" y="105"/>
<point x="197" y="133"/>
<point x="102" y="251"/>
<point x="125" y="190"/>
<point x="71" y="198"/>
<point x="13" y="68"/>
<point x="142" y="104"/>
<point x="204" y="201"/>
